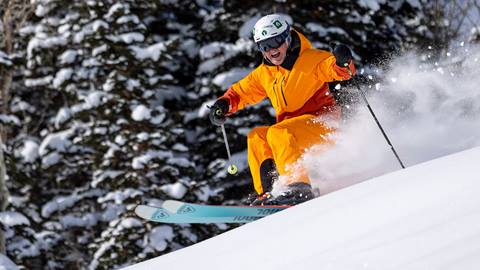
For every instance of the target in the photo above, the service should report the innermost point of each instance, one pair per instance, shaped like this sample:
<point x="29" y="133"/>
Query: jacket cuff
<point x="233" y="100"/>
<point x="343" y="71"/>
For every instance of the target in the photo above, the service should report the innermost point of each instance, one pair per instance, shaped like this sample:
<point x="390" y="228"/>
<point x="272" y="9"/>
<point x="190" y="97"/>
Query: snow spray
<point x="428" y="109"/>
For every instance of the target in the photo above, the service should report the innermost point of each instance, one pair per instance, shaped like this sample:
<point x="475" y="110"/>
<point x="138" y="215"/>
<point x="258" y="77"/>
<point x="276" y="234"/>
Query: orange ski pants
<point x="285" y="142"/>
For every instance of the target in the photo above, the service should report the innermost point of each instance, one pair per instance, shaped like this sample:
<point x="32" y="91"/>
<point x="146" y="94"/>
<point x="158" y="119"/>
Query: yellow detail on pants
<point x="285" y="142"/>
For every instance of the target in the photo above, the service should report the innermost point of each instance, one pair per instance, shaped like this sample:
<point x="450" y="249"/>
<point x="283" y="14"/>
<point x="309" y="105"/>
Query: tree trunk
<point x="15" y="13"/>
<point x="3" y="194"/>
<point x="6" y="75"/>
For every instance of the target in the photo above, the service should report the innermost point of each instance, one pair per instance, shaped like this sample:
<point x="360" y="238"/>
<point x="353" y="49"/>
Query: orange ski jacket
<point x="298" y="86"/>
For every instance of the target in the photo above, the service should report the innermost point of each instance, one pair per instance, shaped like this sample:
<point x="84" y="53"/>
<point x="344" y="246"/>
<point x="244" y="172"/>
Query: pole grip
<point x="218" y="112"/>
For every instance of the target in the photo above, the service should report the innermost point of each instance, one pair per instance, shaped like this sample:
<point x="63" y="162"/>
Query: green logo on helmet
<point x="264" y="32"/>
<point x="277" y="24"/>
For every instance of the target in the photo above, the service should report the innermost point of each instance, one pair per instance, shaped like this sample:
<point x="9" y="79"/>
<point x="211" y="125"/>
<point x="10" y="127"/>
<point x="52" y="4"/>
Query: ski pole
<point x="232" y="168"/>
<point x="375" y="117"/>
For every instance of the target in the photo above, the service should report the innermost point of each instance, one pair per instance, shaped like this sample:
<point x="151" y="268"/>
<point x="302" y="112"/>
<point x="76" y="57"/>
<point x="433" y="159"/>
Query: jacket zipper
<point x="275" y="91"/>
<point x="281" y="90"/>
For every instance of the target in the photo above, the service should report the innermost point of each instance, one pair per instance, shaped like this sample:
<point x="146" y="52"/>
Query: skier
<point x="294" y="77"/>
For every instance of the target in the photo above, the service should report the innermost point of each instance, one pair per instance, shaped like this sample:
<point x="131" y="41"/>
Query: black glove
<point x="343" y="55"/>
<point x="218" y="111"/>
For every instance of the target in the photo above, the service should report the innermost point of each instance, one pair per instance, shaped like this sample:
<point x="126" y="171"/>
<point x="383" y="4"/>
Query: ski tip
<point x="172" y="205"/>
<point x="153" y="213"/>
<point x="143" y="210"/>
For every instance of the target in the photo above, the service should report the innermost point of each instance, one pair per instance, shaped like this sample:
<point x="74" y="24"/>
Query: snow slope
<point x="424" y="217"/>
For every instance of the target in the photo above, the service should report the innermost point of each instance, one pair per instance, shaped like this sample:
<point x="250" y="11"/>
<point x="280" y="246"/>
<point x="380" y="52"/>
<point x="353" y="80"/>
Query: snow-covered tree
<point x="104" y="134"/>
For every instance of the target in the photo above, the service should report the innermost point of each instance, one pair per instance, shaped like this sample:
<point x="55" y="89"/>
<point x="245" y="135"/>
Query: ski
<point x="181" y="212"/>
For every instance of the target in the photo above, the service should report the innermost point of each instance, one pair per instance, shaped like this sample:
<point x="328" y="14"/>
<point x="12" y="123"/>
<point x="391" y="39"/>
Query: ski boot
<point x="268" y="175"/>
<point x="296" y="193"/>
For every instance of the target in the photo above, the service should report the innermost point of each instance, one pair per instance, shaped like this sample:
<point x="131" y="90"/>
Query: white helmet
<point x="270" y="26"/>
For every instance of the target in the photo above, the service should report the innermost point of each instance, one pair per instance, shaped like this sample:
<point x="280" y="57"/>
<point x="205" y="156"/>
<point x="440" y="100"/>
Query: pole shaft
<point x="376" y="120"/>
<point x="226" y="142"/>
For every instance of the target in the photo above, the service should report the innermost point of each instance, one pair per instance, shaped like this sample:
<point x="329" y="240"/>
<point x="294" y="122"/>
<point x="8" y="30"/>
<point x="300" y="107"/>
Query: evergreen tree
<point x="110" y="135"/>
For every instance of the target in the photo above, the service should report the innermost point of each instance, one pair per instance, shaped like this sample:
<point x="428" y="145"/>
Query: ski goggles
<point x="273" y="42"/>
